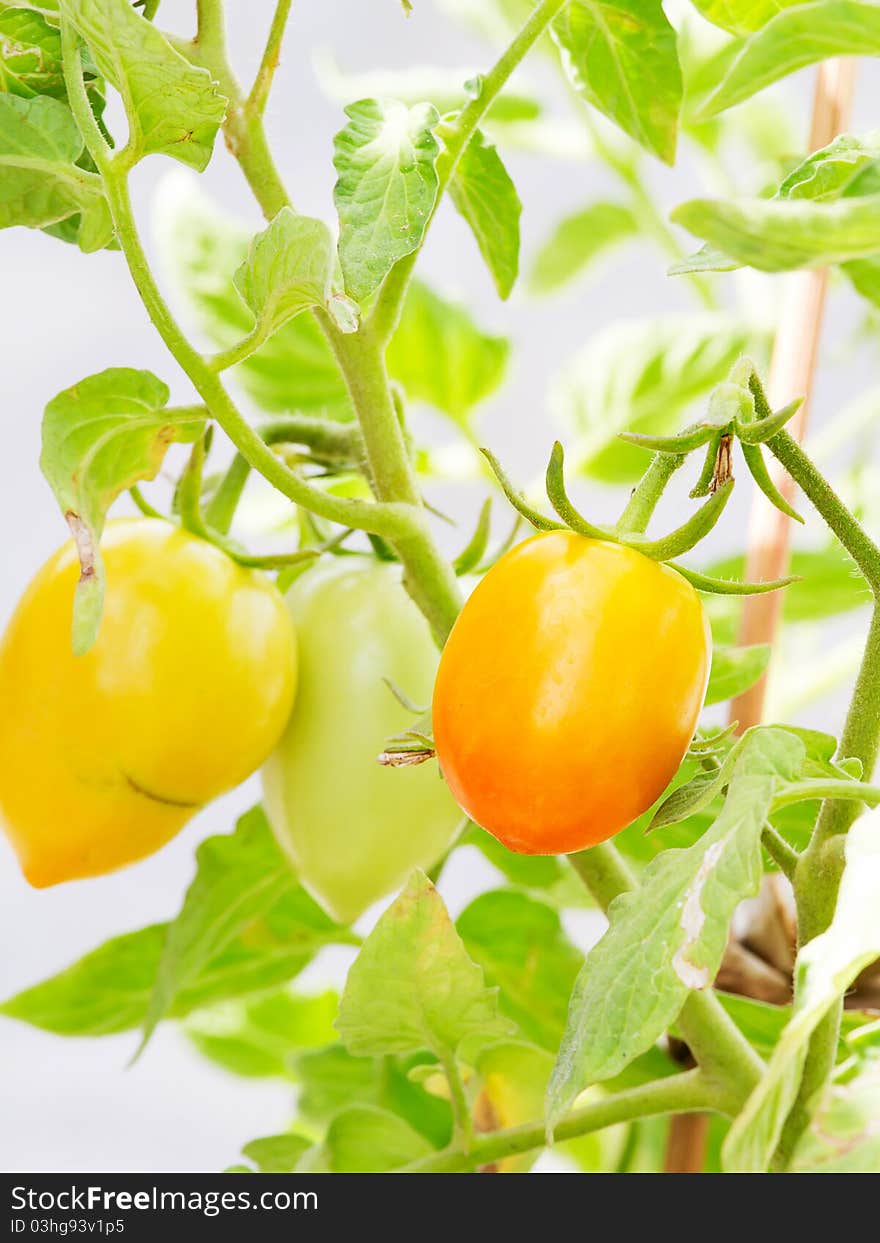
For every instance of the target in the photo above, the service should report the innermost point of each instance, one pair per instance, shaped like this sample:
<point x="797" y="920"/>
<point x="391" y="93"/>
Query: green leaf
<point x="735" y="669"/>
<point x="484" y="194"/>
<point x="240" y="879"/>
<point x="844" y="1134"/>
<point x="576" y="241"/>
<point x="777" y="235"/>
<point x="847" y="167"/>
<point x="260" y="1038"/>
<point x="641" y="376"/>
<point x="288" y="269"/>
<point x="105" y="992"/>
<point x="331" y="1079"/>
<point x="833" y="171"/>
<point x="668" y="936"/>
<point x="522" y="948"/>
<point x="621" y="57"/>
<point x="413" y="985"/>
<point x="99" y="437"/>
<point x="40" y="181"/>
<point x="295" y="369"/>
<point x="30" y="54"/>
<point x="172" y="106"/>
<point x="442" y="358"/>
<point x="277" y="1154"/>
<point x="365" y="1140"/>
<point x="386" y="188"/>
<point x="799" y="36"/>
<point x="741" y="17"/>
<point x="109" y="990"/>
<point x="825" y="969"/>
<point x="865" y="277"/>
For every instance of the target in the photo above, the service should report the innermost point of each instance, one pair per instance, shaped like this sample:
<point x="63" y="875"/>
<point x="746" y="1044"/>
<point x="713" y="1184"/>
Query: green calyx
<point x="738" y="410"/>
<point x="630" y="530"/>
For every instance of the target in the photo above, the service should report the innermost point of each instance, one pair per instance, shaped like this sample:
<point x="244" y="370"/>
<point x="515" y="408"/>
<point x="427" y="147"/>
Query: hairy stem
<point x="647" y="493"/>
<point x="428" y="575"/>
<point x="828" y="505"/>
<point x="381" y="519"/>
<point x="676" y="1093"/>
<point x="785" y="858"/>
<point x="243" y="128"/>
<point x="256" y="101"/>
<point x="820" y="867"/>
<point x="461" y="1111"/>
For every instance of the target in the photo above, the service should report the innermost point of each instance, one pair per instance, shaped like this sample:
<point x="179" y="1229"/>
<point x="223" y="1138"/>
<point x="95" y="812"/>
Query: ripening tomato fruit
<point x="103" y="757"/>
<point x="353" y="829"/>
<point x="569" y="691"/>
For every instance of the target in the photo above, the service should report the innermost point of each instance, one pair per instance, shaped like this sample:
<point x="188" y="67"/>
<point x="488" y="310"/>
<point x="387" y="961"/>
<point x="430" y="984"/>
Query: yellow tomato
<point x="569" y="691"/>
<point x="104" y="757"/>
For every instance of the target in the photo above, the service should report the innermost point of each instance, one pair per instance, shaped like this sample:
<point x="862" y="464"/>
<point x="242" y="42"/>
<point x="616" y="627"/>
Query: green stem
<point x="828" y="504"/>
<point x="243" y="128"/>
<point x="461" y="1111"/>
<point x="604" y="872"/>
<point x="428" y="575"/>
<point x="330" y="442"/>
<point x="647" y="493"/>
<point x="390" y="519"/>
<point x="820" y="867"/>
<point x="220" y="509"/>
<point x="389" y="303"/>
<point x="817" y="881"/>
<point x="256" y="101"/>
<point x="148" y="510"/>
<point x="806" y="791"/>
<point x="684" y="1093"/>
<point x="429" y="578"/>
<point x="237" y="353"/>
<point x="785" y="858"/>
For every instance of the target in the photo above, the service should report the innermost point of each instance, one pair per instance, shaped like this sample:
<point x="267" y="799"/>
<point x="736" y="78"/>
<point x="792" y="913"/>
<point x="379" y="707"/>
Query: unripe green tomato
<point x="353" y="829"/>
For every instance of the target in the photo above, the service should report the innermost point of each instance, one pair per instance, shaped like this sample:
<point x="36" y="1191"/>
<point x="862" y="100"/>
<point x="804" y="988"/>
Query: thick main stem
<point x="428" y="575"/>
<point x="817" y="881"/>
<point x="791" y="375"/>
<point x="817" y="877"/>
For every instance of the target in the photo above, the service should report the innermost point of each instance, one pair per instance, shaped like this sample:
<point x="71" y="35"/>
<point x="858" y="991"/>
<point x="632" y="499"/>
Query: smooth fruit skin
<point x="353" y="829"/>
<point x="569" y="691"/>
<point x="104" y="757"/>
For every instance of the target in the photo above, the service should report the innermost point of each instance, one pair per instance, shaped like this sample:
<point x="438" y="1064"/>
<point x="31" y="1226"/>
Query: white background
<point x="72" y="1105"/>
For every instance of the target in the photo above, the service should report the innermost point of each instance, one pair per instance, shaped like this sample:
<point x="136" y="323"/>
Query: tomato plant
<point x="618" y="713"/>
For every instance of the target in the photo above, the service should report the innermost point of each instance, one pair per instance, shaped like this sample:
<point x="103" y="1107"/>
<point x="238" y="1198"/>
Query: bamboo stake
<point x="792" y="372"/>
